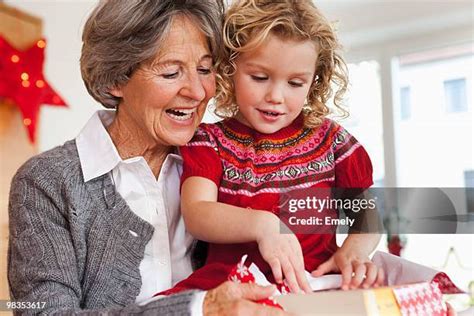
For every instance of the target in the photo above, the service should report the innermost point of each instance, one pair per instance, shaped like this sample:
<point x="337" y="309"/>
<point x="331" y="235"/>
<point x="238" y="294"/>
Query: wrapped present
<point x="410" y="289"/>
<point x="252" y="274"/>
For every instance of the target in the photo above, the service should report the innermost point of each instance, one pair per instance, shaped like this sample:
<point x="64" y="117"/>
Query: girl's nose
<point x="274" y="95"/>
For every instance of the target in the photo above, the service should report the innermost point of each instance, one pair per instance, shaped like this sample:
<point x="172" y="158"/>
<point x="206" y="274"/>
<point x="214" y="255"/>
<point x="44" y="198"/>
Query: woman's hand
<point x="356" y="268"/>
<point x="232" y="298"/>
<point x="283" y="253"/>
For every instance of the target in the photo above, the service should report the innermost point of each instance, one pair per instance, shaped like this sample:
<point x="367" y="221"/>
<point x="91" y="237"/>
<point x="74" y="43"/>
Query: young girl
<point x="281" y="68"/>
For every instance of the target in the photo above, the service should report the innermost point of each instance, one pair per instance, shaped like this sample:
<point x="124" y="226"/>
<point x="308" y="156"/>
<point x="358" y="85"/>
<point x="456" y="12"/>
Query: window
<point x="455" y="95"/>
<point x="405" y="104"/>
<point x="433" y="148"/>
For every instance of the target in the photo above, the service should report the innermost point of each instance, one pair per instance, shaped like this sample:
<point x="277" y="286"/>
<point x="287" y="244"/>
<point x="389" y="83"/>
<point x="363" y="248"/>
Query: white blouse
<point x="157" y="201"/>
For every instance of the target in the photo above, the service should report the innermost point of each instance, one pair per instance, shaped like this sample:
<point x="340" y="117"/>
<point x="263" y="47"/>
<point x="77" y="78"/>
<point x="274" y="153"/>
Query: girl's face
<point x="272" y="82"/>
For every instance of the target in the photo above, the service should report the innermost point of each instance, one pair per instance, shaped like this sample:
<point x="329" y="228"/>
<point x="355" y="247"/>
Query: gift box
<point x="422" y="298"/>
<point x="410" y="289"/>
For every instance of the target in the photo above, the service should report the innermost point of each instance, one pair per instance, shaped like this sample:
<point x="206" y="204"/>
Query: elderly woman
<point x="95" y="223"/>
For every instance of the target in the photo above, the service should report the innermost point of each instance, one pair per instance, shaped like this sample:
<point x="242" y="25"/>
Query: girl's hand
<point x="357" y="270"/>
<point x="283" y="253"/>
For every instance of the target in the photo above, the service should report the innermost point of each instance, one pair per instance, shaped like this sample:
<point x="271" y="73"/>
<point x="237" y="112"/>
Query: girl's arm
<point x="216" y="222"/>
<point x="212" y="221"/>
<point x="352" y="258"/>
<point x="353" y="170"/>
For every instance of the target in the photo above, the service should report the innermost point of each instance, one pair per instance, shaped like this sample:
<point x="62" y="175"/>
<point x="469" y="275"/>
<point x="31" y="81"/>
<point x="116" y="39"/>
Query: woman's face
<point x="166" y="99"/>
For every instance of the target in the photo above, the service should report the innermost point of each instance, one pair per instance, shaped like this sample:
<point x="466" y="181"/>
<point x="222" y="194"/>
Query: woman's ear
<point x="116" y="92"/>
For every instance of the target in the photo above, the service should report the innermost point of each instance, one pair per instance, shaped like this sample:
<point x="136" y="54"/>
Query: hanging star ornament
<point x="22" y="82"/>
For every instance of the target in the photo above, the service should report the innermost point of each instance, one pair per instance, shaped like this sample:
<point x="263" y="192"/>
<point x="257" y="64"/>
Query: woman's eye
<point x="259" y="78"/>
<point x="204" y="71"/>
<point x="295" y="84"/>
<point x="172" y="75"/>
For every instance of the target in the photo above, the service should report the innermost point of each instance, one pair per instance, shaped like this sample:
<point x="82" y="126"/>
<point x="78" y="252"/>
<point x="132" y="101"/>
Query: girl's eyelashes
<point x="295" y="84"/>
<point x="258" y="78"/>
<point x="264" y="78"/>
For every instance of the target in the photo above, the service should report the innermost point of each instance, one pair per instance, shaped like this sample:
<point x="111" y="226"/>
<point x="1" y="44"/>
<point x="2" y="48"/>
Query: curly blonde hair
<point x="248" y="23"/>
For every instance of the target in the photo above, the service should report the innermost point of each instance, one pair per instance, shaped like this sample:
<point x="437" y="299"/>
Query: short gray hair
<point x="121" y="35"/>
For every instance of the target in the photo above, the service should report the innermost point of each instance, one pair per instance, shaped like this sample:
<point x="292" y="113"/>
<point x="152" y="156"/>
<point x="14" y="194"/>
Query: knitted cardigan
<point x="70" y="243"/>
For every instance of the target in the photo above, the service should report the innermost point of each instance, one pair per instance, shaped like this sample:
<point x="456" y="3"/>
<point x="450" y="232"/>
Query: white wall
<point x="62" y="27"/>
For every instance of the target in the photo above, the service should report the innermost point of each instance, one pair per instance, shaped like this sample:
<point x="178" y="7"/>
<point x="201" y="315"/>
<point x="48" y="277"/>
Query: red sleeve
<point x="353" y="166"/>
<point x="201" y="158"/>
<point x="355" y="171"/>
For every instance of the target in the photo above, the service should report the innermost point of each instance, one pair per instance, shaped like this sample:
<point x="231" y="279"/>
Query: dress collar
<point x="245" y="131"/>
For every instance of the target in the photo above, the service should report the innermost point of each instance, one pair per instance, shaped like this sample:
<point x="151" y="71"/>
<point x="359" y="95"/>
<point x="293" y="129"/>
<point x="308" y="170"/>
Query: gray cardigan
<point x="70" y="244"/>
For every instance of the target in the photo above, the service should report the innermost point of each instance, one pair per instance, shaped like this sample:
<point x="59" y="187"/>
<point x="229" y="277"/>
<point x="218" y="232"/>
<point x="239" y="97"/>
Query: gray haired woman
<point x="95" y="223"/>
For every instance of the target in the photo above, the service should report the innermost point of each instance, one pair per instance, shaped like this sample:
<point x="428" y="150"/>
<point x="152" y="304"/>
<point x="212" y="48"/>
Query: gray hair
<point x="121" y="35"/>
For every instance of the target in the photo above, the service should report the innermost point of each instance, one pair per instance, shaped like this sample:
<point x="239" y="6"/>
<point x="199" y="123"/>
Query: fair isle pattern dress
<point x="252" y="169"/>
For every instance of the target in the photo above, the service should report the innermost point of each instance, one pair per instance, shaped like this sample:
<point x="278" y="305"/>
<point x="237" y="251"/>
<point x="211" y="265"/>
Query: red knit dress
<point x="251" y="168"/>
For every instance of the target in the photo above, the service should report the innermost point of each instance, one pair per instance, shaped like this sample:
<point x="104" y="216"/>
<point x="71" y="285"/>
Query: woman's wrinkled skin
<point x="164" y="100"/>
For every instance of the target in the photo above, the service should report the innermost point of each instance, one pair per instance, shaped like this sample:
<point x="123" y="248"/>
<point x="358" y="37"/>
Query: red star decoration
<point x="22" y="82"/>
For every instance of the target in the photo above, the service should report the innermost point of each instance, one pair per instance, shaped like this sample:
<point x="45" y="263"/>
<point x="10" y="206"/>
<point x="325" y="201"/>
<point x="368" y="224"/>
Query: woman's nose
<point x="274" y="94"/>
<point x="194" y="88"/>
